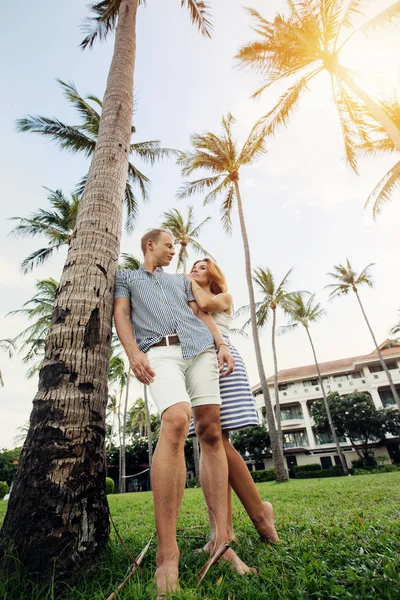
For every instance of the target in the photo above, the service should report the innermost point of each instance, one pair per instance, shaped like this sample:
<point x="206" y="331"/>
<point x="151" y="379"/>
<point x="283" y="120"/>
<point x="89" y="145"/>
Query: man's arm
<point x="224" y="355"/>
<point x="137" y="359"/>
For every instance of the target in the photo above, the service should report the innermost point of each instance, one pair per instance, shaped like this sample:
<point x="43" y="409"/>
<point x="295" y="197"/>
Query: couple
<point x="184" y="355"/>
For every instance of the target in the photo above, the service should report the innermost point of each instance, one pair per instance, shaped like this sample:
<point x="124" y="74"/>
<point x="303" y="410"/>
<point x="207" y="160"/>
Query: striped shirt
<point x="159" y="307"/>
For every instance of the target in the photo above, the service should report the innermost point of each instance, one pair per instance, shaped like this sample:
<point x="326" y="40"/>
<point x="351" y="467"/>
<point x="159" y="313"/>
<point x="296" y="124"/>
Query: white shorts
<point x="194" y="380"/>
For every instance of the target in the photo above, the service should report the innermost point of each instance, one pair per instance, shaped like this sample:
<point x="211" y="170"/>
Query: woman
<point x="238" y="408"/>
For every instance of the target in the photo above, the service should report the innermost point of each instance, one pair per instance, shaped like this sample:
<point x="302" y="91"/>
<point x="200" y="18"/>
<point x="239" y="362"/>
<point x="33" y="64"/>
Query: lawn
<point x="340" y="539"/>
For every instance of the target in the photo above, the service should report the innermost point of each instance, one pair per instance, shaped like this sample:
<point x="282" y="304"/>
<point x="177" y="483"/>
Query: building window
<point x="295" y="439"/>
<point x="386" y="397"/>
<point x="325" y="438"/>
<point x="291" y="412"/>
<point x="309" y="382"/>
<point x="379" y="368"/>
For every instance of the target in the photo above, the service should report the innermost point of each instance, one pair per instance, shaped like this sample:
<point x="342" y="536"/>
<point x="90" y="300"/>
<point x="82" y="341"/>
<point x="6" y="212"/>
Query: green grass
<point x="340" y="539"/>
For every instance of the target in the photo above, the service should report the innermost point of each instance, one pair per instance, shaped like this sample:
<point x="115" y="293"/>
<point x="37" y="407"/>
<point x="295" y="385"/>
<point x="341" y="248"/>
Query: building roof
<point x="389" y="348"/>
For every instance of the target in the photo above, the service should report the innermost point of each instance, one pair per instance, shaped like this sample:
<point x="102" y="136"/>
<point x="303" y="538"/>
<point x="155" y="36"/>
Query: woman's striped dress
<point x="238" y="407"/>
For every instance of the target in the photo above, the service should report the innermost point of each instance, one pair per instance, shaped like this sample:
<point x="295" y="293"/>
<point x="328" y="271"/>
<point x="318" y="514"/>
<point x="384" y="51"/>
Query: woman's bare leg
<point x="261" y="513"/>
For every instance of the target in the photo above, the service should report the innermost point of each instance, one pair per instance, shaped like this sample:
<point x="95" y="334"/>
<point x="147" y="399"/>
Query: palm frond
<point x="383" y="191"/>
<point x="389" y="16"/>
<point x="38" y="257"/>
<point x="396" y="328"/>
<point x="100" y="25"/>
<point x="150" y="152"/>
<point x="254" y="146"/>
<point x="90" y="117"/>
<point x="199" y="15"/>
<point x="226" y="211"/>
<point x="189" y="188"/>
<point x="129" y="262"/>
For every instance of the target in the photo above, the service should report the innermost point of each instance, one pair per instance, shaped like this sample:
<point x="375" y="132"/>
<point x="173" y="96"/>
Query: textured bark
<point x="281" y="473"/>
<point x="380" y="355"/>
<point x="277" y="404"/>
<point x="327" y="409"/>
<point x="57" y="518"/>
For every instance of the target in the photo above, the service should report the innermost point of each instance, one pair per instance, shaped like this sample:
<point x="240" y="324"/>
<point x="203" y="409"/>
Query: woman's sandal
<point x="214" y="558"/>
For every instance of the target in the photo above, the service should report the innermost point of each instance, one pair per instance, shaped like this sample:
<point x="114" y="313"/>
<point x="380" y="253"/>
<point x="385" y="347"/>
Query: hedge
<point x="336" y="471"/>
<point x="311" y="467"/>
<point x="110" y="485"/>
<point x="3" y="489"/>
<point x="263" y="475"/>
<point x="376" y="471"/>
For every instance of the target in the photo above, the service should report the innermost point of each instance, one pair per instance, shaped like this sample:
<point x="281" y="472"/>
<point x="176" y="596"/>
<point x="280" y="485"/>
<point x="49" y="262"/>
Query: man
<point x="170" y="347"/>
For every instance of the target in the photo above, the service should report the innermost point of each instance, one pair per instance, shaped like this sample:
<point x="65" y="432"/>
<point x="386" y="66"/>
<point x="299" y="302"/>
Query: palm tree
<point x="306" y="314"/>
<point x="137" y="419"/>
<point x="221" y="158"/>
<point x="308" y="42"/>
<point x="56" y="225"/>
<point x="82" y="138"/>
<point x="149" y="432"/>
<point x="396" y="328"/>
<point x="8" y="346"/>
<point x="112" y="411"/>
<point x="274" y="297"/>
<point x="381" y="143"/>
<point x="117" y="374"/>
<point x="129" y="262"/>
<point x="185" y="234"/>
<point x="72" y="393"/>
<point x="347" y="281"/>
<point x="39" y="310"/>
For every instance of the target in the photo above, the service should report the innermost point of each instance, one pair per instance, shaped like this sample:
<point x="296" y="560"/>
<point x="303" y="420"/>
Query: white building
<point x="299" y="388"/>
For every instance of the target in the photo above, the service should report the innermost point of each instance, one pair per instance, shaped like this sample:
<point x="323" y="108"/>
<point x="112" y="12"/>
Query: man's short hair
<point x="153" y="234"/>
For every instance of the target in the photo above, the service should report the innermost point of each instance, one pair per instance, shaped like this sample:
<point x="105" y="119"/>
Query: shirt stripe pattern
<point x="159" y="307"/>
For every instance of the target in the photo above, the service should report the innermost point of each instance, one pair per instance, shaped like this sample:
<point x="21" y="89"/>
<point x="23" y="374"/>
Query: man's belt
<point x="168" y="340"/>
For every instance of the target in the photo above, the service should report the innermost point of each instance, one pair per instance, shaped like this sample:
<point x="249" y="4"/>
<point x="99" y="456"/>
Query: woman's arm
<point x="219" y="303"/>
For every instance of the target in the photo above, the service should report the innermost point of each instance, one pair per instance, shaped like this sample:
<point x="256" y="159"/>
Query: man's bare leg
<point x="168" y="476"/>
<point x="261" y="513"/>
<point x="214" y="479"/>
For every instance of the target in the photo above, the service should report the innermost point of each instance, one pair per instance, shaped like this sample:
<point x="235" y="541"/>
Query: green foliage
<point x="8" y="464"/>
<point x="339" y="541"/>
<point x="253" y="442"/>
<point x="310" y="467"/>
<point x="263" y="475"/>
<point x="110" y="485"/>
<point x="336" y="471"/>
<point x="192" y="483"/>
<point x="3" y="489"/>
<point x="376" y="471"/>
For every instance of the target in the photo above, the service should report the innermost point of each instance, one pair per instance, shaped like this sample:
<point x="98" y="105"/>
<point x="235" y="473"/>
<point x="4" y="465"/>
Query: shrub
<point x="374" y="471"/>
<point x="264" y="475"/>
<point x="3" y="489"/>
<point x="110" y="485"/>
<point x="192" y="483"/>
<point x="311" y="467"/>
<point x="336" y="471"/>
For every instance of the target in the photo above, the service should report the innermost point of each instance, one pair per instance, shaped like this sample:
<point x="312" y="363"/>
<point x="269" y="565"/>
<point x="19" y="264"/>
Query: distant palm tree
<point x="306" y="314"/>
<point x="117" y="374"/>
<point x="82" y="138"/>
<point x="8" y="346"/>
<point x="221" y="157"/>
<point x="137" y="418"/>
<point x="185" y="234"/>
<point x="381" y="143"/>
<point x="274" y="297"/>
<point x="56" y="225"/>
<point x="308" y="42"/>
<point x="396" y="328"/>
<point x="347" y="281"/>
<point x="39" y="310"/>
<point x="112" y="411"/>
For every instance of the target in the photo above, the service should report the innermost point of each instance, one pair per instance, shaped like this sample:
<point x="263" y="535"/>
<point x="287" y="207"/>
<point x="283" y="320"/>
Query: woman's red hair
<point x="218" y="285"/>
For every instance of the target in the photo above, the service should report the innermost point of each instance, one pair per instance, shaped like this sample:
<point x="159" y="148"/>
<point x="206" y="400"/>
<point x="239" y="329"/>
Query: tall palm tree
<point x="305" y="43"/>
<point x="186" y="234"/>
<point x="8" y="346"/>
<point x="222" y="159"/>
<point x="112" y="411"/>
<point x="117" y="374"/>
<point x="381" y="143"/>
<point x="82" y="138"/>
<point x="137" y="419"/>
<point x="306" y="314"/>
<point x="396" y="328"/>
<point x="347" y="281"/>
<point x="39" y="310"/>
<point x="274" y="297"/>
<point x="56" y="225"/>
<point x="72" y="393"/>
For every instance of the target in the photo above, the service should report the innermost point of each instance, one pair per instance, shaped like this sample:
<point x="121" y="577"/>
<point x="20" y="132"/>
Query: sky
<point x="304" y="207"/>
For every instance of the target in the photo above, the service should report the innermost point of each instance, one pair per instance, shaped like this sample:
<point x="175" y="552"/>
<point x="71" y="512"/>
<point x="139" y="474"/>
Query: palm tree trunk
<point x="123" y="449"/>
<point x="277" y="405"/>
<point x="328" y="412"/>
<point x="374" y="108"/>
<point x="149" y="434"/>
<point x="277" y="454"/>
<point x="120" y="441"/>
<point x="381" y="359"/>
<point x="57" y="520"/>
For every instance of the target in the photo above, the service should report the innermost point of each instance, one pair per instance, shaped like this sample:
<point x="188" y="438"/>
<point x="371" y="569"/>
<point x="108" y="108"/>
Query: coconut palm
<point x="302" y="45"/>
<point x="396" y="328"/>
<point x="274" y="297"/>
<point x="347" y="281"/>
<point x="186" y="234"/>
<point x="112" y="411"/>
<point x="39" y="310"/>
<point x="72" y="393"/>
<point x="56" y="225"/>
<point x="8" y="346"/>
<point x="82" y="138"/>
<point x="137" y="419"/>
<point x="306" y="314"/>
<point x="381" y="143"/>
<point x="221" y="157"/>
<point x="117" y="374"/>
